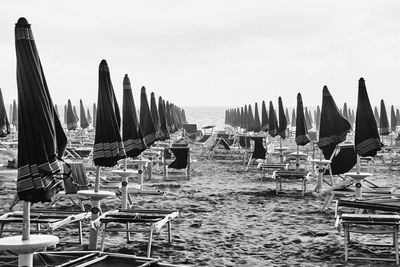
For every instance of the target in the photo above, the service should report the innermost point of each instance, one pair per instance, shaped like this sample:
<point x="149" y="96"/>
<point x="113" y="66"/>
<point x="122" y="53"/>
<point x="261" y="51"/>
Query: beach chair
<point x="258" y="152"/>
<point x="271" y="168"/>
<point x="77" y="180"/>
<point x="291" y="176"/>
<point x="190" y="131"/>
<point x="386" y="223"/>
<point x="145" y="221"/>
<point x="182" y="161"/>
<point x="44" y="221"/>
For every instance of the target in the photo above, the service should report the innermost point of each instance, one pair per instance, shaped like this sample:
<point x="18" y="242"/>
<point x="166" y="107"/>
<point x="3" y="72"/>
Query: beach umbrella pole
<point x="124" y="189"/>
<point x="26" y="259"/>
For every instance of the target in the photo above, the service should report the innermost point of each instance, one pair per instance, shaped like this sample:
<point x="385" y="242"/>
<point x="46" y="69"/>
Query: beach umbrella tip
<point x="22" y="22"/>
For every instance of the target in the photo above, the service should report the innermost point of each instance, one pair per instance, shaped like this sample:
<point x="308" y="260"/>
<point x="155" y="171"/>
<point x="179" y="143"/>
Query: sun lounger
<point x="373" y="224"/>
<point x="147" y="221"/>
<point x="265" y="167"/>
<point x="182" y="161"/>
<point x="88" y="258"/>
<point x="46" y="221"/>
<point x="291" y="176"/>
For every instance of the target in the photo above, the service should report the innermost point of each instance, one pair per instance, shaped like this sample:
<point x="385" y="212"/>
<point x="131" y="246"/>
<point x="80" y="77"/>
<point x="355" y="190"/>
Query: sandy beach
<point x="229" y="217"/>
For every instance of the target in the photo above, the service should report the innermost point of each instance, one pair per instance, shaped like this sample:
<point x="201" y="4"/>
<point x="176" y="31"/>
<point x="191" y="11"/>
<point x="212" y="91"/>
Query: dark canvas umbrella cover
<point x="301" y="128"/>
<point x="384" y="121"/>
<point x="41" y="139"/>
<point x="108" y="146"/>
<point x="146" y="120"/>
<point x="84" y="121"/>
<point x="4" y="123"/>
<point x="273" y="122"/>
<point x="366" y="138"/>
<point x="282" y="119"/>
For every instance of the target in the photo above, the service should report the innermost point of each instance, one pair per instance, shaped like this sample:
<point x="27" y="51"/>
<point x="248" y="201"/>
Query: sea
<point x="206" y="116"/>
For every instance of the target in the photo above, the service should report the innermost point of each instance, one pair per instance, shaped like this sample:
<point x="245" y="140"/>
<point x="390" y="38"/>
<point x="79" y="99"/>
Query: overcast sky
<point x="211" y="53"/>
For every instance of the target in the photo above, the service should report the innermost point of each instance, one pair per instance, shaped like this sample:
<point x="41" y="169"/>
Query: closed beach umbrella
<point x="398" y="116"/>
<point x="41" y="138"/>
<point x="155" y="116"/>
<point x="345" y="114"/>
<point x="273" y="122"/>
<point x="333" y="125"/>
<point x="384" y="121"/>
<point x="84" y="121"/>
<point x="15" y="114"/>
<point x="257" y="122"/>
<point x="75" y="114"/>
<point x="376" y="116"/>
<point x="4" y="123"/>
<point x="146" y="120"/>
<point x="131" y="136"/>
<point x="318" y="119"/>
<point x="282" y="119"/>
<point x="163" y="120"/>
<point x="264" y="117"/>
<point x="245" y="119"/>
<point x="56" y="108"/>
<point x="393" y="119"/>
<point x="88" y="116"/>
<point x="301" y="128"/>
<point x="308" y="119"/>
<point x="108" y="146"/>
<point x="287" y="116"/>
<point x="293" y="124"/>
<point x="250" y="119"/>
<point x="71" y="119"/>
<point x="65" y="114"/>
<point x="366" y="138"/>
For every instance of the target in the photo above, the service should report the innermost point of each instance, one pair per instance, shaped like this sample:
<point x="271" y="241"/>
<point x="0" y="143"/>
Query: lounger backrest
<point x="181" y="157"/>
<point x="77" y="180"/>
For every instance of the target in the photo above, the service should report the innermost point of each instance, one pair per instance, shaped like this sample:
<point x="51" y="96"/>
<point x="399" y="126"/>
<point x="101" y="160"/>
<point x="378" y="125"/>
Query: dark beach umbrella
<point x="245" y="119"/>
<point x="273" y="122"/>
<point x="384" y="121"/>
<point x="131" y="134"/>
<point x="264" y="117"/>
<point x="71" y="119"/>
<point x="155" y="116"/>
<point x="168" y="119"/>
<point x="241" y="118"/>
<point x="393" y="119"/>
<point x="333" y="125"/>
<point x="88" y="116"/>
<point x="282" y="119"/>
<point x="146" y="120"/>
<point x="318" y="118"/>
<point x="15" y="114"/>
<point x="4" y="123"/>
<point x="366" y="138"/>
<point x="163" y="120"/>
<point x="376" y="116"/>
<point x="345" y="114"/>
<point x="108" y="146"/>
<point x="84" y="121"/>
<point x="257" y="122"/>
<point x="41" y="138"/>
<point x="65" y="114"/>
<point x="75" y="114"/>
<point x="398" y="116"/>
<point x="294" y="118"/>
<point x="301" y="138"/>
<point x="287" y="116"/>
<point x="10" y="114"/>
<point x="308" y="119"/>
<point x="250" y="119"/>
<point x="94" y="114"/>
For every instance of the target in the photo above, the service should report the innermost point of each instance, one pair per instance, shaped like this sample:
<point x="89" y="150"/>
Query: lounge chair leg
<point x="103" y="237"/>
<point x="149" y="244"/>
<point x="80" y="232"/>
<point x="396" y="242"/>
<point x="346" y="237"/>
<point x="169" y="232"/>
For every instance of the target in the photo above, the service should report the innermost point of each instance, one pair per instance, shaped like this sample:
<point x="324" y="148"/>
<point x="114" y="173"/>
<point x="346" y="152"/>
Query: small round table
<point x="25" y="248"/>
<point x="124" y="174"/>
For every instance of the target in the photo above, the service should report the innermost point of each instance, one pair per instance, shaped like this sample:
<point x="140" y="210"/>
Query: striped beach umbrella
<point x="71" y="118"/>
<point x="84" y="122"/>
<point x="282" y="119"/>
<point x="146" y="120"/>
<point x="131" y="134"/>
<point x="366" y="138"/>
<point x="94" y="114"/>
<point x="41" y="138"/>
<point x="273" y="122"/>
<point x="108" y="146"/>
<point x="383" y="120"/>
<point x="301" y="138"/>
